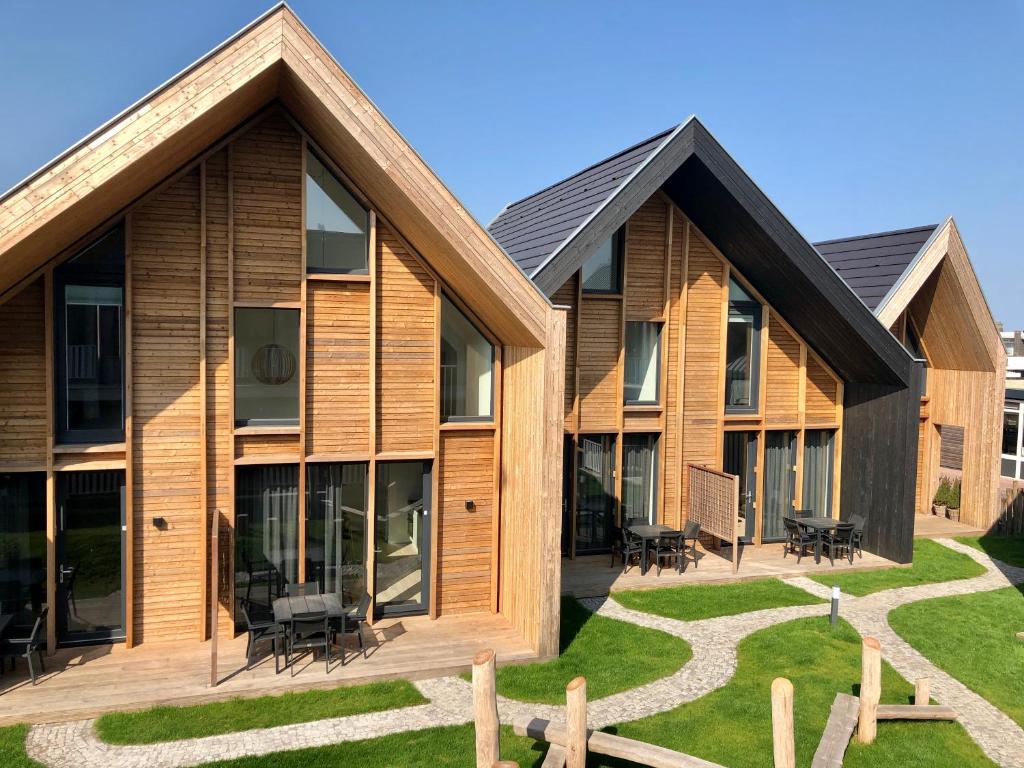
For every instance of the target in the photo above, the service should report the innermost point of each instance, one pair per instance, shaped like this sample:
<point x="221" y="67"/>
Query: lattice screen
<point x="714" y="503"/>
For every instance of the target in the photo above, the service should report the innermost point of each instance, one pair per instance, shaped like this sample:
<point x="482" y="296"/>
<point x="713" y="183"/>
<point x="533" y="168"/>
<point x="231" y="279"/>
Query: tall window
<point x="467" y="368"/>
<point x="639" y="479"/>
<point x="22" y="548"/>
<point x="742" y="350"/>
<point x="602" y="272"/>
<point x="266" y="366"/>
<point x="643" y="363"/>
<point x="915" y="348"/>
<point x="336" y="504"/>
<point x="817" y="490"/>
<point x="336" y="224"/>
<point x="89" y="295"/>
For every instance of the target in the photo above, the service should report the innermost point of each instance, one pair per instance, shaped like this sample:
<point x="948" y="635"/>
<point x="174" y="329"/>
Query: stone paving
<point x="713" y="643"/>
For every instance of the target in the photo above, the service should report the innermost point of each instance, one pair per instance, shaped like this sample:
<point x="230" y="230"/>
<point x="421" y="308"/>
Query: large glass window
<point x="1011" y="427"/>
<point x="1010" y="464"/>
<point x="403" y="536"/>
<point x="336" y="224"/>
<point x="22" y="548"/>
<point x="467" y="367"/>
<point x="639" y="479"/>
<point x="89" y="293"/>
<point x="595" y="493"/>
<point x="643" y="363"/>
<point x="602" y="272"/>
<point x="266" y="533"/>
<point x="817" y="490"/>
<point x="336" y="504"/>
<point x="742" y="350"/>
<point x="266" y="366"/>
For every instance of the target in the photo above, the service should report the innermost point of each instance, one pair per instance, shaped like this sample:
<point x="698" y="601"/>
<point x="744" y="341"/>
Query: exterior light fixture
<point x="835" y="606"/>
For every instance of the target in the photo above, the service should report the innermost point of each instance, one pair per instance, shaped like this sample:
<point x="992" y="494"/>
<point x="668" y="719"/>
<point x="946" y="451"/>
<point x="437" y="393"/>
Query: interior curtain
<point x="778" y="484"/>
<point x="817" y="472"/>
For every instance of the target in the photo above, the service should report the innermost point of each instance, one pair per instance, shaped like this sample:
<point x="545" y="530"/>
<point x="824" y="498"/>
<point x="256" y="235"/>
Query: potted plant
<point x="941" y="498"/>
<point x="953" y="501"/>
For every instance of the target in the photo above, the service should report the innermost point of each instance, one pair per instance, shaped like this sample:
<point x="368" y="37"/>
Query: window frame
<point x="756" y="310"/>
<point x="489" y="419"/>
<point x="257" y="424"/>
<point x="660" y="326"/>
<point x="338" y="177"/>
<point x="1010" y="406"/>
<point x="618" y="240"/>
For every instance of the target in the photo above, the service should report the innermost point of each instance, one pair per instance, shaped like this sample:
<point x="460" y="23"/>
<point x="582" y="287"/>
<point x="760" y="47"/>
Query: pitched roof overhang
<point x="728" y="207"/>
<point x="273" y="58"/>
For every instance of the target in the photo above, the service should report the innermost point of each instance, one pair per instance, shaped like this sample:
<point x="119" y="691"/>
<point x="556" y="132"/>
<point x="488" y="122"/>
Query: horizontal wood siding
<point x="283" y="447"/>
<point x="782" y="390"/>
<point x="23" y="380"/>
<point x="405" y="348"/>
<point x="169" y="563"/>
<point x="645" y="261"/>
<point x="672" y="466"/>
<point x="600" y="398"/>
<point x="466" y="536"/>
<point x="822" y="394"/>
<point x="338" y="367"/>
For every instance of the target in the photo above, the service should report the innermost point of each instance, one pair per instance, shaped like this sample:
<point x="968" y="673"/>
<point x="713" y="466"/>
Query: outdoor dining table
<point x="819" y="525"/>
<point x="648" y="533"/>
<point x="303" y="605"/>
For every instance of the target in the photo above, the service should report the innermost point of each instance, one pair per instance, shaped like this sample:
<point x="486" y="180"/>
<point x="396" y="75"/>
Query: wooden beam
<point x="914" y="712"/>
<point x="204" y="479"/>
<point x="303" y="368"/>
<point x="51" y="490"/>
<point x="129" y="438"/>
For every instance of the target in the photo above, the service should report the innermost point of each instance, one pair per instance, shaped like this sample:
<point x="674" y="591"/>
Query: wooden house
<point x="246" y="307"/>
<point x="920" y="284"/>
<point x="703" y="329"/>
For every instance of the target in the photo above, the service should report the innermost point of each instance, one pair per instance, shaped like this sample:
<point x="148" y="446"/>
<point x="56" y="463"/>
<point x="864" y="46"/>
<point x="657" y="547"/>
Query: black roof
<point x="872" y="264"/>
<point x="531" y="229"/>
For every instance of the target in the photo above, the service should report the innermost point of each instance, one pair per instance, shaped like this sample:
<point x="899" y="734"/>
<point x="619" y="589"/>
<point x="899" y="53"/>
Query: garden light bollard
<point x="834" y="616"/>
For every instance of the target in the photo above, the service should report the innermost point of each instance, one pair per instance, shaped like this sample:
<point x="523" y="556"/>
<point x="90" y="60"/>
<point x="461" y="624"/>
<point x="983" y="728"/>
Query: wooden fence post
<point x="870" y="689"/>
<point x="485" y="709"/>
<point x="922" y="691"/>
<point x="576" y="723"/>
<point x="782" y="723"/>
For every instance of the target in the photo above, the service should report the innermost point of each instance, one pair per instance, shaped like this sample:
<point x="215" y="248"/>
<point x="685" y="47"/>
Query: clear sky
<point x="852" y="117"/>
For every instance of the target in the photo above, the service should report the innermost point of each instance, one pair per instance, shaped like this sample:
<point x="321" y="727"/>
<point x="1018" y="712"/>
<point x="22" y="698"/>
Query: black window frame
<point x="299" y="362"/>
<point x="755" y="309"/>
<point x="489" y="419"/>
<point x="618" y="263"/>
<point x="330" y="168"/>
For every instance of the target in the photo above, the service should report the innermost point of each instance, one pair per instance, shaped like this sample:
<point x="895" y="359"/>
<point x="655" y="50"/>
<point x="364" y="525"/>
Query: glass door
<point x="740" y="458"/>
<point x="336" y="504"/>
<point x="639" y="479"/>
<point x="22" y="549"/>
<point x="568" y="451"/>
<point x="779" y="483"/>
<point x="90" y="557"/>
<point x="595" y="493"/>
<point x="402" y="538"/>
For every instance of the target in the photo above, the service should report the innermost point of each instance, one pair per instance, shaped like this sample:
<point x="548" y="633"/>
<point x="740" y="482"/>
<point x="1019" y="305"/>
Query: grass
<point x="171" y="723"/>
<point x="12" y="748"/>
<point x="932" y="563"/>
<point x="612" y="655"/>
<point x="993" y="664"/>
<point x="1009" y="549"/>
<point x="705" y="601"/>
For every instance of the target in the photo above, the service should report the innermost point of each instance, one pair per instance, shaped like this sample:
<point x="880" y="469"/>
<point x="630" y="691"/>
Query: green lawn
<point x="1009" y="549"/>
<point x="172" y="723"/>
<point x="994" y="665"/>
<point x="932" y="563"/>
<point x="611" y="654"/>
<point x="12" y="748"/>
<point x="705" y="601"/>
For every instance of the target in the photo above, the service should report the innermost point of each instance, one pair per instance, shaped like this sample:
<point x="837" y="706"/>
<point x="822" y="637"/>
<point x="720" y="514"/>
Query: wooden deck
<point x="591" y="575"/>
<point x="86" y="682"/>
<point x="934" y="527"/>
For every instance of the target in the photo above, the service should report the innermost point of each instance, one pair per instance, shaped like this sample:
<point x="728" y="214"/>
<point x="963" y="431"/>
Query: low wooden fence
<point x="1011" y="512"/>
<point x="714" y="502"/>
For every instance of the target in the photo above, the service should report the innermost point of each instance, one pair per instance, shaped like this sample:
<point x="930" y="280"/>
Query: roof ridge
<point x="868" y="235"/>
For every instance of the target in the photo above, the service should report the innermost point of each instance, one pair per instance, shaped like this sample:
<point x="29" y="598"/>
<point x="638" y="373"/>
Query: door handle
<point x="65" y="572"/>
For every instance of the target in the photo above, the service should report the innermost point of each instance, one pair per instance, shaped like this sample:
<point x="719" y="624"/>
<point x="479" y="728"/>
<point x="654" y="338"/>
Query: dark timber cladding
<point x="688" y="164"/>
<point x="872" y="264"/>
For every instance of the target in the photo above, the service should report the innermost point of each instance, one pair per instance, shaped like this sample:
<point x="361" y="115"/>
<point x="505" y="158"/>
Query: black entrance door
<point x="739" y="458"/>
<point x="595" y="493"/>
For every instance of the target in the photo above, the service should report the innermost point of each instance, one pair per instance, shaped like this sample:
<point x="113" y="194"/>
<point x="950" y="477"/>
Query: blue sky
<point x="852" y="117"/>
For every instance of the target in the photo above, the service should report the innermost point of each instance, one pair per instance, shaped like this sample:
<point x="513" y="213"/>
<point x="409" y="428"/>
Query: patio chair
<point x="798" y="539"/>
<point x="859" y="521"/>
<point x="27" y="647"/>
<point x="669" y="544"/>
<point x="352" y="624"/>
<point x="302" y="589"/>
<point x="309" y="632"/>
<point x="626" y="546"/>
<point x="840" y="541"/>
<point x="691" y="533"/>
<point x="261" y="628"/>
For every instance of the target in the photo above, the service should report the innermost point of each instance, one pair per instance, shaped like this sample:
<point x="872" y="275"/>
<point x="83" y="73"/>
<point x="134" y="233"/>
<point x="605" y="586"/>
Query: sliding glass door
<point x="595" y="493"/>
<point x="639" y="473"/>
<point x="22" y="549"/>
<point x="336" y="504"/>
<point x="817" y="485"/>
<point x="779" y="483"/>
<point x="402" y="546"/>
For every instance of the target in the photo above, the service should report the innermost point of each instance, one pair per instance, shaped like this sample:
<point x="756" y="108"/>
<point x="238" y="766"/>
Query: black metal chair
<point x="627" y="547"/>
<point x="798" y="538"/>
<point x="302" y="589"/>
<point x="309" y="632"/>
<point x="840" y="541"/>
<point x="27" y="647"/>
<point x="260" y="625"/>
<point x="691" y="533"/>
<point x="859" y="521"/>
<point x="669" y="544"/>
<point x="352" y="624"/>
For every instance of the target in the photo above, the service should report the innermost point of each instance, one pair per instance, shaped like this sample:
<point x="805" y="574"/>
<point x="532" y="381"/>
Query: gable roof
<point x="275" y="58"/>
<point x="872" y="264"/>
<point x="714" y="192"/>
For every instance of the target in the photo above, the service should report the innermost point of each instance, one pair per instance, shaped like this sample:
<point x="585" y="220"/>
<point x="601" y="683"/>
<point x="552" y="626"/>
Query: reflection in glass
<point x="639" y="473"/>
<point x="467" y="365"/>
<point x="817" y="490"/>
<point x="402" y="536"/>
<point x="266" y="533"/>
<point x="22" y="549"/>
<point x="336" y="225"/>
<point x="742" y="350"/>
<point x="1011" y="425"/>
<point x="336" y="503"/>
<point x="640" y="379"/>
<point x="595" y="492"/>
<point x="779" y="482"/>
<point x="266" y="366"/>
<point x="602" y="271"/>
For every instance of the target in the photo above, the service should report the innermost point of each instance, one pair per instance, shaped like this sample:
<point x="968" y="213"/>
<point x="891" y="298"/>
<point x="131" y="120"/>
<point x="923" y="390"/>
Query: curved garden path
<point x="713" y="643"/>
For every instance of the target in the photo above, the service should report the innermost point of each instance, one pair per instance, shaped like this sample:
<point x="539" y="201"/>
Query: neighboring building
<point x="247" y="300"/>
<point x="1011" y="459"/>
<point x="920" y="284"/>
<point x="703" y="329"/>
<point x="1013" y="344"/>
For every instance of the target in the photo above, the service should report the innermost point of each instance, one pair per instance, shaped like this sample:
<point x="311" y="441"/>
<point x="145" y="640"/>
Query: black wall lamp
<point x="470" y="505"/>
<point x="160" y="523"/>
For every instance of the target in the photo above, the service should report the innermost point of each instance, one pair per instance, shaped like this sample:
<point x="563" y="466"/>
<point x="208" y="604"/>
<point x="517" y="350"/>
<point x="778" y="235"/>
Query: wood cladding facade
<point x="229" y="232"/>
<point x="674" y="276"/>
